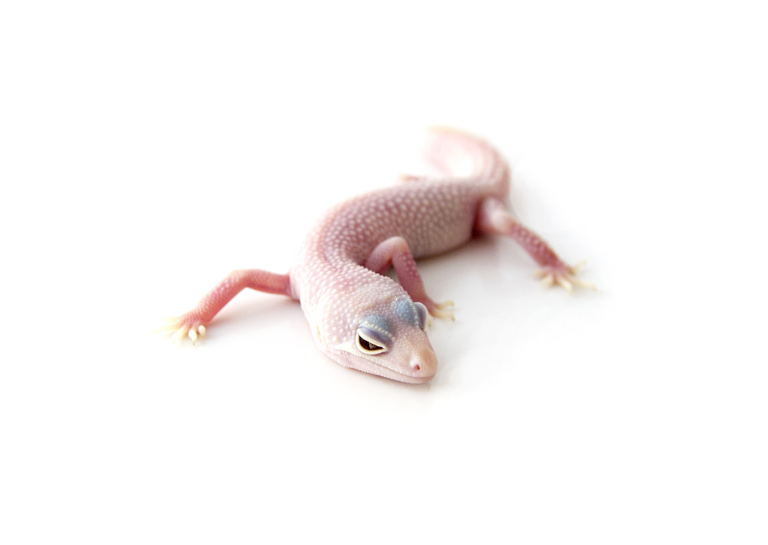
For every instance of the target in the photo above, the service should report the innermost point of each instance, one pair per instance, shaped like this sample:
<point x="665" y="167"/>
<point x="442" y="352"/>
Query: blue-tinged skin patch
<point x="378" y="323"/>
<point x="407" y="311"/>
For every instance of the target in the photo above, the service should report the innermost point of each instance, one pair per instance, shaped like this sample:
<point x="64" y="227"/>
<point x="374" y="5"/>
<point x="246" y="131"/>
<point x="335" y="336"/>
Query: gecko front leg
<point x="193" y="322"/>
<point x="396" y="252"/>
<point x="493" y="218"/>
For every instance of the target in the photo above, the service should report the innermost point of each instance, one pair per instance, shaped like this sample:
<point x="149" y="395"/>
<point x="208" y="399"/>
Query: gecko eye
<point x="369" y="341"/>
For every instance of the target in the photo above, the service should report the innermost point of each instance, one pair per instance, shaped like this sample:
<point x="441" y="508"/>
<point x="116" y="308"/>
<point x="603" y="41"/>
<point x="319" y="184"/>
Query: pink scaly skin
<point x="367" y="321"/>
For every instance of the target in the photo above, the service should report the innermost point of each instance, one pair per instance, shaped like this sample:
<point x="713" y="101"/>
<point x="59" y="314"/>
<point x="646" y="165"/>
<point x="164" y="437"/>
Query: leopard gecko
<point x="361" y="318"/>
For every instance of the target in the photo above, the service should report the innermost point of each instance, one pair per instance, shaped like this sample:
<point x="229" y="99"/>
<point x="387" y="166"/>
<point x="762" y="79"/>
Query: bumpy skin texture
<point x="367" y="321"/>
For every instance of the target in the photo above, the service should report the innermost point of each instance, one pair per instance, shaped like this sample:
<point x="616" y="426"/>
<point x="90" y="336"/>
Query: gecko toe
<point x="563" y="276"/>
<point x="180" y="333"/>
<point x="443" y="314"/>
<point x="561" y="281"/>
<point x="167" y="327"/>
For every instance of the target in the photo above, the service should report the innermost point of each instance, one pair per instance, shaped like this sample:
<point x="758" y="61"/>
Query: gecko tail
<point x="461" y="155"/>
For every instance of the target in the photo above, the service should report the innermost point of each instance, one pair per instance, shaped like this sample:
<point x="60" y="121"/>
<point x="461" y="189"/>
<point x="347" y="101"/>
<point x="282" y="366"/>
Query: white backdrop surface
<point x="149" y="148"/>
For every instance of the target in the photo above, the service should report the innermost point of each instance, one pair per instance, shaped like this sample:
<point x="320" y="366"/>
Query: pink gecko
<point x="367" y="321"/>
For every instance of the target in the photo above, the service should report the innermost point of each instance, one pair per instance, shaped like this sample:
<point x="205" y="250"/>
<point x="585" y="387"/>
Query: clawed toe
<point x="180" y="333"/>
<point x="181" y="326"/>
<point x="563" y="276"/>
<point x="167" y="327"/>
<point x="436" y="310"/>
<point x="404" y="178"/>
<point x="443" y="314"/>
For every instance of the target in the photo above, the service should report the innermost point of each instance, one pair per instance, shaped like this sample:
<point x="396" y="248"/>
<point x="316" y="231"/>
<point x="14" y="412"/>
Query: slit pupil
<point x="368" y="345"/>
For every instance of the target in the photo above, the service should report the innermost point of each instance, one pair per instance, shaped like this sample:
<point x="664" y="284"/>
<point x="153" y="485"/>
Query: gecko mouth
<point x="413" y="378"/>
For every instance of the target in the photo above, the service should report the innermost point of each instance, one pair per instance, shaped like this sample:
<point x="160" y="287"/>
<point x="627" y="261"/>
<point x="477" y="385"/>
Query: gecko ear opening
<point x="422" y="311"/>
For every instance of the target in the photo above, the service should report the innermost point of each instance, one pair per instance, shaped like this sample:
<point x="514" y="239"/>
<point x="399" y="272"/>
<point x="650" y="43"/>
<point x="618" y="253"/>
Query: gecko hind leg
<point x="493" y="218"/>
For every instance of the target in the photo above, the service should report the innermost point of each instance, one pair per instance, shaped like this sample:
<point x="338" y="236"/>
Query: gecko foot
<point x="563" y="275"/>
<point x="436" y="310"/>
<point x="187" y="324"/>
<point x="403" y="178"/>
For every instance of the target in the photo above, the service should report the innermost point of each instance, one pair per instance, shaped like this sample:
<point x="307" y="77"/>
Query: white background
<point x="149" y="148"/>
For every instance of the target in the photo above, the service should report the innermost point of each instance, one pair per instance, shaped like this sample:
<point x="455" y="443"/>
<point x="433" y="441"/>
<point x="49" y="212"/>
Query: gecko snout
<point x="424" y="364"/>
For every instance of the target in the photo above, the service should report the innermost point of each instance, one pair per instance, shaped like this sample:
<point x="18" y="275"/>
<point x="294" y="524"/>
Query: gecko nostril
<point x="417" y="367"/>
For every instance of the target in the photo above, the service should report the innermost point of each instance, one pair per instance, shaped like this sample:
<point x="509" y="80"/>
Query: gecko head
<point x="385" y="337"/>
